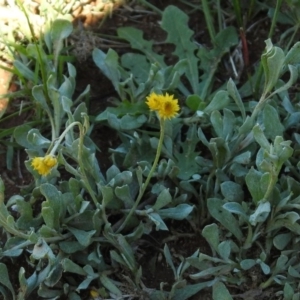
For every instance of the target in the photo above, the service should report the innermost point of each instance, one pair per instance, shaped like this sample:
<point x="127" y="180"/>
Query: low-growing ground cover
<point x="156" y="161"/>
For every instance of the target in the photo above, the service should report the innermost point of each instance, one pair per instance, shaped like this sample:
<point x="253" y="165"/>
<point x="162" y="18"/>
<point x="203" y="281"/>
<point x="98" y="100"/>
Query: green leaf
<point x="124" y="194"/>
<point x="213" y="271"/>
<point x="180" y="212"/>
<point x="232" y="191"/>
<point x="52" y="207"/>
<point x="189" y="290"/>
<point x="220" y="292"/>
<point x="109" y="65"/>
<point x="126" y="122"/>
<point x="247" y="264"/>
<point x="234" y="94"/>
<point x="252" y="179"/>
<point x="175" y="22"/>
<point x="293" y="56"/>
<point x="261" y="138"/>
<point x="220" y="100"/>
<point x="280" y="241"/>
<point x="235" y="208"/>
<point x="288" y="292"/>
<point x="109" y="284"/>
<point x="215" y="207"/>
<point x="137" y="64"/>
<point x="261" y="213"/>
<point x="157" y="220"/>
<point x="126" y="252"/>
<point x="69" y="266"/>
<point x="224" y="250"/>
<point x="163" y="199"/>
<point x="272" y="61"/>
<point x="169" y="260"/>
<point x="24" y="71"/>
<point x="40" y="98"/>
<point x="41" y="250"/>
<point x="60" y="30"/>
<point x="194" y="102"/>
<point x="83" y="237"/>
<point x="36" y="139"/>
<point x="4" y="279"/>
<point x="211" y="234"/>
<point x="135" y="38"/>
<point x="70" y="247"/>
<point x="217" y="122"/>
<point x="272" y="124"/>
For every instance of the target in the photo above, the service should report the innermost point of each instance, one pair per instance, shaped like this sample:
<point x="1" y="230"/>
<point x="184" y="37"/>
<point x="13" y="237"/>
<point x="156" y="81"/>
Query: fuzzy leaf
<point x="220" y="100"/>
<point x="247" y="264"/>
<point x="110" y="285"/>
<point x="235" y="208"/>
<point x="4" y="279"/>
<point x="224" y="250"/>
<point x="83" y="237"/>
<point x="175" y="22"/>
<point x="234" y="94"/>
<point x="261" y="213"/>
<point x="69" y="266"/>
<point x="215" y="207"/>
<point x="272" y="124"/>
<point x="293" y="56"/>
<point x="135" y="38"/>
<point x="252" y="179"/>
<point x="220" y="292"/>
<point x="157" y="220"/>
<point x="272" y="62"/>
<point x="179" y="212"/>
<point x="51" y="208"/>
<point x="163" y="199"/>
<point x="232" y="191"/>
<point x="169" y="260"/>
<point x="211" y="234"/>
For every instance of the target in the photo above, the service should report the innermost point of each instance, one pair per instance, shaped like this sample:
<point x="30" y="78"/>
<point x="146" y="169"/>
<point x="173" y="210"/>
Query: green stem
<point x="274" y="19"/>
<point x="62" y="136"/>
<point x="238" y="13"/>
<point x="153" y="7"/>
<point x="209" y="20"/>
<point x="143" y="189"/>
<point x="259" y="106"/>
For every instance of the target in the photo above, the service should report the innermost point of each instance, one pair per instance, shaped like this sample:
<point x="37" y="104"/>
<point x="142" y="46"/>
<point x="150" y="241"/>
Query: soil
<point x="155" y="269"/>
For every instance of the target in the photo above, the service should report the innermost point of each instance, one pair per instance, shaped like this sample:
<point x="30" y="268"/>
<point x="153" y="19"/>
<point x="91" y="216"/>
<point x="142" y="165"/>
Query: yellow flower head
<point x="165" y="105"/>
<point x="44" y="164"/>
<point x="154" y="101"/>
<point x="94" y="294"/>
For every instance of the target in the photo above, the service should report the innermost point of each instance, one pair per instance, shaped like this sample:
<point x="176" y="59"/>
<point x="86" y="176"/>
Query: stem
<point x="274" y="19"/>
<point x="153" y="7"/>
<point x="209" y="21"/>
<point x="143" y="189"/>
<point x="259" y="106"/>
<point x="63" y="135"/>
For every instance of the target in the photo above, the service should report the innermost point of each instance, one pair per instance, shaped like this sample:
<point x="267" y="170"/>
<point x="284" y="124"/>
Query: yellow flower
<point x="44" y="164"/>
<point x="165" y="105"/>
<point x="94" y="294"/>
<point x="154" y="101"/>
